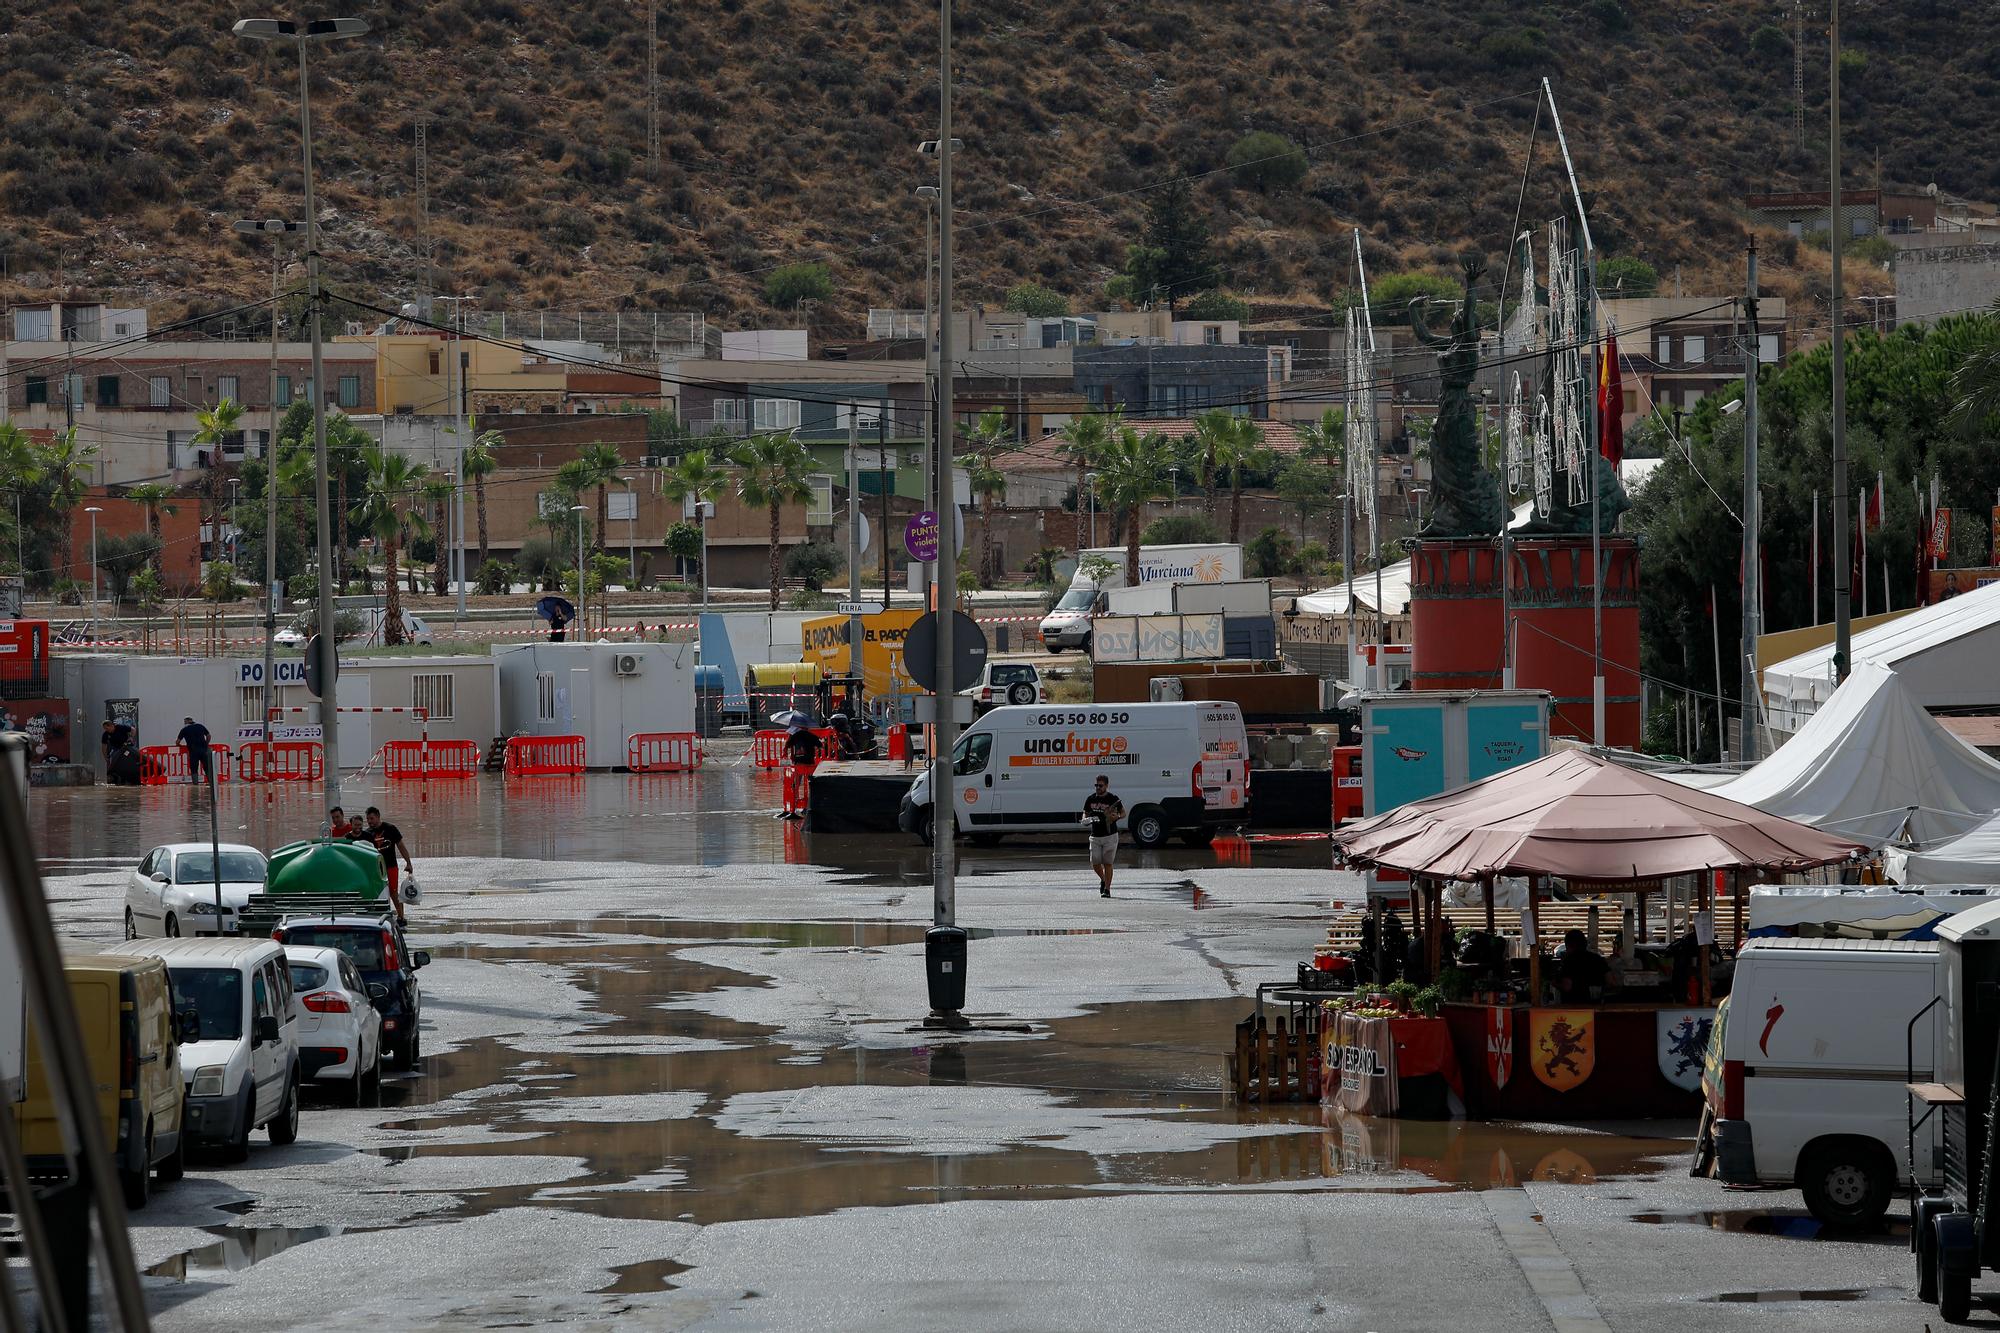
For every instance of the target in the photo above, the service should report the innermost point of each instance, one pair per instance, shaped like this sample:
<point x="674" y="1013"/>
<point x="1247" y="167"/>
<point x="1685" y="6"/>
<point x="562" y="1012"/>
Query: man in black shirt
<point x="1102" y="811"/>
<point x="388" y="840"/>
<point x="194" y="743"/>
<point x="802" y="747"/>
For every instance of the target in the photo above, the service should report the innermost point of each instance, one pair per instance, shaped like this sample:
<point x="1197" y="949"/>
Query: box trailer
<point x="1418" y="744"/>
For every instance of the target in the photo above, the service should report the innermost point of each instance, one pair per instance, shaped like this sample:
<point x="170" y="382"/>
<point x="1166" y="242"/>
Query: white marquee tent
<point x="1872" y="765"/>
<point x="1944" y="654"/>
<point x="1333" y="601"/>
<point x="1971" y="859"/>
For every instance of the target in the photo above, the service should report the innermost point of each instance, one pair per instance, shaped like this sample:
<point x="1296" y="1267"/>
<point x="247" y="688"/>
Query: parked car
<point x="172" y="892"/>
<point x="1807" y="1062"/>
<point x="124" y="1008"/>
<point x="1006" y="683"/>
<point x="368" y="625"/>
<point x="242" y="1068"/>
<point x="340" y="1033"/>
<point x="388" y="968"/>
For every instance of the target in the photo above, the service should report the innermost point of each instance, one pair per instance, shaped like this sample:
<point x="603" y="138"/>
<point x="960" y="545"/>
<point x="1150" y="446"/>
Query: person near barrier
<point x="802" y="749"/>
<point x="193" y="740"/>
<point x="387" y="839"/>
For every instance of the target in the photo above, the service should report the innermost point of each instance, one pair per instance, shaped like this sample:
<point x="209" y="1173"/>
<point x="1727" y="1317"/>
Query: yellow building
<point x="414" y="377"/>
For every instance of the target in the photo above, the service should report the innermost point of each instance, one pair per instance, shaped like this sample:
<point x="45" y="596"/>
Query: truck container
<point x="1416" y="745"/>
<point x="1102" y="569"/>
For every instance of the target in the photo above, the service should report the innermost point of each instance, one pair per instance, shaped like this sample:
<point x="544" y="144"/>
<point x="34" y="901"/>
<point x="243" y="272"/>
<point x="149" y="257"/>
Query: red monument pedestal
<point x="1456" y="630"/>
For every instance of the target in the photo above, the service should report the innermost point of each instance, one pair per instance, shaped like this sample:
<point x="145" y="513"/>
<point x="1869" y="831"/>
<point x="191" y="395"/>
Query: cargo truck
<point x="1102" y="569"/>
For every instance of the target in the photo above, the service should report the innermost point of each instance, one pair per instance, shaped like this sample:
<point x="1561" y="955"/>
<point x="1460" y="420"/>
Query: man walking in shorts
<point x="1102" y="811"/>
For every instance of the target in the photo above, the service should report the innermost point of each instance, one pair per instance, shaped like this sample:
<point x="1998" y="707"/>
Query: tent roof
<point x="1810" y="674"/>
<point x="1870" y="761"/>
<point x="1971" y="858"/>
<point x="1579" y="816"/>
<point x="1333" y="601"/>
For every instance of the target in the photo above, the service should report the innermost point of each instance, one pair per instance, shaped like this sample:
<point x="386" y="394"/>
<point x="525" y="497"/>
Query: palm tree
<point x="389" y="512"/>
<point x="603" y="462"/>
<point x="63" y="466"/>
<point x="1132" y="469"/>
<point x="1242" y="446"/>
<point x="482" y="456"/>
<point x="1211" y="428"/>
<point x="694" y="475"/>
<point x="1082" y="439"/>
<point x="1326" y="440"/>
<point x="216" y="425"/>
<point x="20" y="467"/>
<point x="986" y="438"/>
<point x="775" y="470"/>
<point x="158" y="497"/>
<point x="439" y="490"/>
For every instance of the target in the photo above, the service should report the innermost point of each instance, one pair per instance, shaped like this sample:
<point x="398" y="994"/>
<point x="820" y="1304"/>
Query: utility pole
<point x="1753" y="588"/>
<point x="1843" y="630"/>
<point x="426" y="284"/>
<point x="653" y="88"/>
<point x="1799" y="75"/>
<point x="854" y="629"/>
<point x="881" y="485"/>
<point x="458" y="397"/>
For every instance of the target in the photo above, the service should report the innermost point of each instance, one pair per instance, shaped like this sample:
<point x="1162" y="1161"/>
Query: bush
<point x="1036" y="301"/>
<point x="495" y="576"/>
<point x="814" y="562"/>
<point x="684" y="541"/>
<point x="1215" y="305"/>
<point x="1270" y="554"/>
<point x="1265" y="161"/>
<point x="218" y="582"/>
<point x="572" y="228"/>
<point x="1514" y="50"/>
<point x="1622" y="275"/>
<point x="1389" y="297"/>
<point x="793" y="283"/>
<point x="1180" y="530"/>
<point x="1770" y="42"/>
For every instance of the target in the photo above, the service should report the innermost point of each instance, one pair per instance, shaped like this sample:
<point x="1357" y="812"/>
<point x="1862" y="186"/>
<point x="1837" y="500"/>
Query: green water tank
<point x="327" y="866"/>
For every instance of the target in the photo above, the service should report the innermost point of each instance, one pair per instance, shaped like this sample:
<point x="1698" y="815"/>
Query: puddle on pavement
<point x="635" y="1279"/>
<point x="1795" y="1297"/>
<point x="1786" y="1223"/>
<point x="237" y="1248"/>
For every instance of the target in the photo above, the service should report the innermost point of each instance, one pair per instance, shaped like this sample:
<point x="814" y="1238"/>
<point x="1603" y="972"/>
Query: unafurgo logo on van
<point x="1073" y="744"/>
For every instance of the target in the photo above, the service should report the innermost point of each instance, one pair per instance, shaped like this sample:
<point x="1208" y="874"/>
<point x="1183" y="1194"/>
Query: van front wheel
<point x="1149" y="826"/>
<point x="1847" y="1183"/>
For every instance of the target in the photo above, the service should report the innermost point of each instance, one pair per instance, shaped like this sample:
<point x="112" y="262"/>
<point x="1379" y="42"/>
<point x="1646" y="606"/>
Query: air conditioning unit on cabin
<point x="628" y="664"/>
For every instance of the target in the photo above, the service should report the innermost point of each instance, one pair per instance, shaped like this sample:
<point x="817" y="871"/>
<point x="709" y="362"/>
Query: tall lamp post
<point x="631" y="537"/>
<point x="582" y="617"/>
<point x="93" y="511"/>
<point x="929" y="194"/>
<point x="274" y="228"/>
<point x="302" y="37"/>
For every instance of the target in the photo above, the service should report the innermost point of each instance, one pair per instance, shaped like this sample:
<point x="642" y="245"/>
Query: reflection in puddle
<point x="1774" y="1222"/>
<point x="652" y="1275"/>
<point x="237" y="1248"/>
<point x="1793" y="1297"/>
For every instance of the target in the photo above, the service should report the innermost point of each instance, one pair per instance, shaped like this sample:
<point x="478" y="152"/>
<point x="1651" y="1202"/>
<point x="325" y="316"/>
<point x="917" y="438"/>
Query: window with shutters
<point x="545" y="696"/>
<point x="162" y="388"/>
<point x="38" y="389"/>
<point x="284" y="389"/>
<point x="1697" y="349"/>
<point x="775" y="414"/>
<point x="252" y="703"/>
<point x="350" y="391"/>
<point x="107" y="391"/>
<point x="230" y="387"/>
<point x="431" y="691"/>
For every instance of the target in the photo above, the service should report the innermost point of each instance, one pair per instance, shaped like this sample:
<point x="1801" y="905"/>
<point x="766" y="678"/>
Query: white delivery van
<point x="1803" y="1084"/>
<point x="1103" y="568"/>
<point x="1178" y="767"/>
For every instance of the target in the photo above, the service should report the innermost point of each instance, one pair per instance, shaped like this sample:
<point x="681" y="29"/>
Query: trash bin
<point x="944" y="968"/>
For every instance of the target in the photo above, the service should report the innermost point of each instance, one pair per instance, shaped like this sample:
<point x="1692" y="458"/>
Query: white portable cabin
<point x="603" y="692"/>
<point x="460" y="695"/>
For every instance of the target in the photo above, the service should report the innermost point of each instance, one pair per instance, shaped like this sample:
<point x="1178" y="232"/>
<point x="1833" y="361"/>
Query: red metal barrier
<point x="536" y="756"/>
<point x="160" y="764"/>
<point x="436" y="759"/>
<point x="663" y="752"/>
<point x="285" y="761"/>
<point x="1346" y="784"/>
<point x="899" y="741"/>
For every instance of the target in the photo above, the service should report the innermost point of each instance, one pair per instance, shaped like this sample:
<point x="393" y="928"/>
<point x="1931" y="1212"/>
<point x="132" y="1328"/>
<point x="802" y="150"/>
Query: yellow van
<point x="124" y="1008"/>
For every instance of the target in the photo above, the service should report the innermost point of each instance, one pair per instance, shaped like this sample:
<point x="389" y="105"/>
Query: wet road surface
<point x="673" y="1079"/>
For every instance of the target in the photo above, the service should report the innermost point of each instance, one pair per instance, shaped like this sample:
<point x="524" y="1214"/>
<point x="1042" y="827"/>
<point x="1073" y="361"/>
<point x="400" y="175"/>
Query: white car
<point x="369" y="634"/>
<point x="172" y="892"/>
<point x="340" y="1032"/>
<point x="1006" y="683"/>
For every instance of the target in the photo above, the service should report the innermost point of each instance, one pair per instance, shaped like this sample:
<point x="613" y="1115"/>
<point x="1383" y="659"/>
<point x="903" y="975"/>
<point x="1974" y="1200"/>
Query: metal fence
<point x="682" y="334"/>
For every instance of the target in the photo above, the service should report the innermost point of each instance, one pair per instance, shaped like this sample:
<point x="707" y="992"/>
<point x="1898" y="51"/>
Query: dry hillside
<point x="137" y="129"/>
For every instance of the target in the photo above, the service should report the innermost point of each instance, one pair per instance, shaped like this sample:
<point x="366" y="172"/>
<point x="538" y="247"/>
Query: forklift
<point x="1954" y="1229"/>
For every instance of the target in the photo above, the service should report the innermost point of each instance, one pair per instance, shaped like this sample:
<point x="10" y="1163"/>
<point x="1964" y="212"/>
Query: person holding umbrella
<point x="559" y="613"/>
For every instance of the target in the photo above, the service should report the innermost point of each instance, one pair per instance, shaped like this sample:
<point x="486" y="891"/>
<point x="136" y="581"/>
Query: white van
<point x="1178" y="767"/>
<point x="243" y="1073"/>
<point x="1803" y="1084"/>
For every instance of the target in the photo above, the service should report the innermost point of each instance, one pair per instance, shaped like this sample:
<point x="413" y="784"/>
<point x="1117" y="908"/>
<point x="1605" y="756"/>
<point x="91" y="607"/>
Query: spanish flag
<point x="1610" y="403"/>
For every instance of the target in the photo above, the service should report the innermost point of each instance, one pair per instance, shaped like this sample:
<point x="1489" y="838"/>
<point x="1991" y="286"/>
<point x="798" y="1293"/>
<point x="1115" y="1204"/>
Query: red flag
<point x="1610" y="403"/>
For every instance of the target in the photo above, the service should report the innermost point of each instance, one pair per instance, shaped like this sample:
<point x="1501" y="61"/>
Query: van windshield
<point x="1078" y="598"/>
<point x="216" y="993"/>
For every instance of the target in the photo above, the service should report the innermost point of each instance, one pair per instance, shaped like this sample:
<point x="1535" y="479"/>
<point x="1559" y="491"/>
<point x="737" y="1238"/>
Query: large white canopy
<point x="1872" y="765"/>
<point x="1944" y="653"/>
<point x="1973" y="858"/>
<point x="1333" y="601"/>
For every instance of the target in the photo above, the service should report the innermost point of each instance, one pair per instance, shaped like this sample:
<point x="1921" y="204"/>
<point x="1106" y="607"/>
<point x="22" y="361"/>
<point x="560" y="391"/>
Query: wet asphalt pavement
<point x="672" y="1079"/>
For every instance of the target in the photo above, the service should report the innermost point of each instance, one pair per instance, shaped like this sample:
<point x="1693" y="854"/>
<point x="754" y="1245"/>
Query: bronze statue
<point x="1467" y="496"/>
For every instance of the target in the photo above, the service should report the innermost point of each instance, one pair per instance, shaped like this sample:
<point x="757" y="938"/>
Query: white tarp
<point x="1944" y="653"/>
<point x="1849" y="912"/>
<point x="1872" y="765"/>
<point x="1333" y="601"/>
<point x="1973" y="858"/>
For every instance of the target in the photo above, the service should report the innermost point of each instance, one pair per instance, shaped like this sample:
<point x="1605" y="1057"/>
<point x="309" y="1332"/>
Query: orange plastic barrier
<point x="767" y="749"/>
<point x="534" y="756"/>
<point x="160" y="764"/>
<point x="899" y="741"/>
<point x="285" y="761"/>
<point x="798" y="788"/>
<point x="436" y="759"/>
<point x="1346" y="784"/>
<point x="663" y="752"/>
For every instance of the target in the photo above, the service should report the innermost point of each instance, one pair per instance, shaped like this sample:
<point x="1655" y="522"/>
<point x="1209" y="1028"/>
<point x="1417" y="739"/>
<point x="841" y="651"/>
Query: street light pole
<point x="318" y="30"/>
<point x="582" y="606"/>
<point x="93" y="511"/>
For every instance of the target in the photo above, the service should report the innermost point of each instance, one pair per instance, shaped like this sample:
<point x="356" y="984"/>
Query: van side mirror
<point x="266" y="1029"/>
<point x="187" y="1026"/>
<point x="420" y="958"/>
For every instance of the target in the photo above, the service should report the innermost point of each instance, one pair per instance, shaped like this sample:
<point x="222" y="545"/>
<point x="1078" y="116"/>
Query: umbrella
<point x="547" y="608"/>
<point x="790" y="719"/>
